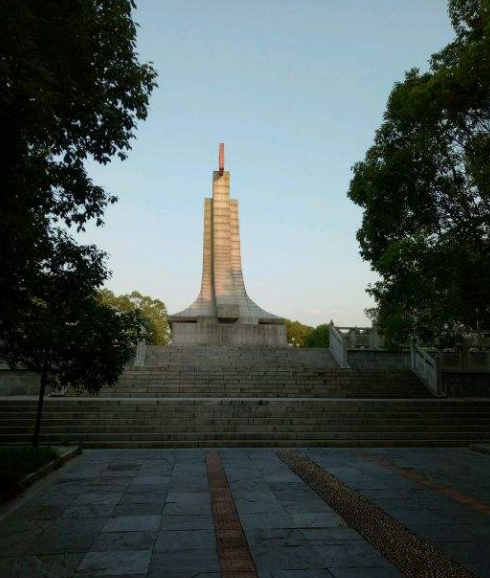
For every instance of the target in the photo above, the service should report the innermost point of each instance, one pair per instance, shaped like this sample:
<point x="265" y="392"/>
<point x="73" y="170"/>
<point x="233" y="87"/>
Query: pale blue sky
<point x="295" y="89"/>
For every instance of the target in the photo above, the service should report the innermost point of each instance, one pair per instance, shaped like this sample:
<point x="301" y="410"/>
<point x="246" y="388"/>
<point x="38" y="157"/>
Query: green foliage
<point x="152" y="311"/>
<point x="425" y="190"/>
<point x="16" y="462"/>
<point x="66" y="334"/>
<point x="72" y="90"/>
<point x="297" y="333"/>
<point x="319" y="337"/>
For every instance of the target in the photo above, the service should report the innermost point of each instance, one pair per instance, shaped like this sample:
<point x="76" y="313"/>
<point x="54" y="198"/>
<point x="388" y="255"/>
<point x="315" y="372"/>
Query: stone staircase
<point x="245" y="396"/>
<point x="279" y="382"/>
<point x="248" y="422"/>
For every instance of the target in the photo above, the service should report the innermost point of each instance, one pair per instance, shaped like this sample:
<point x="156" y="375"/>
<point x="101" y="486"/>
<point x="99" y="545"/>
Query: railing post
<point x="139" y="358"/>
<point x="413" y="354"/>
<point x="338" y="346"/>
<point x="344" y="352"/>
<point x="440" y="389"/>
<point x="375" y="338"/>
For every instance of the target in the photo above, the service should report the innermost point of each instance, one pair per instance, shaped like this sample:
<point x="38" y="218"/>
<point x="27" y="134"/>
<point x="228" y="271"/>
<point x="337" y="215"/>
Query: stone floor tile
<point x="138" y="509"/>
<point x="308" y="520"/>
<point x="115" y="563"/>
<point x="374" y="572"/>
<point x="150" y="480"/>
<point x="185" y="540"/>
<point x="311" y="573"/>
<point x="38" y="512"/>
<point x="269" y="520"/>
<point x="205" y="560"/>
<point x="189" y="573"/>
<point x="330" y="535"/>
<point x="115" y="541"/>
<point x="350" y="554"/>
<point x="146" y="498"/>
<point x="272" y="557"/>
<point x="132" y="523"/>
<point x="244" y="496"/>
<point x="249" y="486"/>
<point x="53" y="498"/>
<point x="262" y="507"/>
<point x="19" y="542"/>
<point x="310" y="506"/>
<point x="444" y="532"/>
<point x="108" y="498"/>
<point x="13" y="525"/>
<point x="189" y="522"/>
<point x="188" y="497"/>
<point x="77" y="525"/>
<point x="183" y="508"/>
<point x="51" y="566"/>
<point x="62" y="542"/>
<point x="276" y="536"/>
<point x="88" y="511"/>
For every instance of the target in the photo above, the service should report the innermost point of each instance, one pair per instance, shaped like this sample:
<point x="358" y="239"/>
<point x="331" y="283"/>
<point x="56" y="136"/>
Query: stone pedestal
<point x="228" y="334"/>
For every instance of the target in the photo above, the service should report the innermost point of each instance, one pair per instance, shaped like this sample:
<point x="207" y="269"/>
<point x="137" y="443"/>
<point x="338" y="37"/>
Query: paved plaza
<point x="154" y="513"/>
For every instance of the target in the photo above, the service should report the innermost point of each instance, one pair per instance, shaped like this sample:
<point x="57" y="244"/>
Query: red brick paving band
<point x="234" y="554"/>
<point x="412" y="555"/>
<point x="428" y="483"/>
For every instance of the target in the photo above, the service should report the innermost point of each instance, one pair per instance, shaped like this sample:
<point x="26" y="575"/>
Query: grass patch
<point x="16" y="462"/>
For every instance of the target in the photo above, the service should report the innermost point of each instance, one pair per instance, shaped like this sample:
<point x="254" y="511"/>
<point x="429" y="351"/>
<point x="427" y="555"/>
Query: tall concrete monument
<point x="223" y="313"/>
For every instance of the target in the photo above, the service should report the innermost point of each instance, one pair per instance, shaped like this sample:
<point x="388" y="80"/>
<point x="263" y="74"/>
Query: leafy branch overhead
<point x="425" y="190"/>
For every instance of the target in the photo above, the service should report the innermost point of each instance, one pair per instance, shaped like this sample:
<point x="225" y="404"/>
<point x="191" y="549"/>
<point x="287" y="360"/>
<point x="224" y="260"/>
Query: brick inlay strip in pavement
<point x="411" y="554"/>
<point x="428" y="483"/>
<point x="234" y="554"/>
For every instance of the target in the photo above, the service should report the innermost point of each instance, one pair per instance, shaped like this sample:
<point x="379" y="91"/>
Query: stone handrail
<point x="338" y="346"/>
<point x="139" y="358"/>
<point x="362" y="337"/>
<point x="428" y="369"/>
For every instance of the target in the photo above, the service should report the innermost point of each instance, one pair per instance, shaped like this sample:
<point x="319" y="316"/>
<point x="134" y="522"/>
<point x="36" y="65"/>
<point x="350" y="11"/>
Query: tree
<point x="425" y="190"/>
<point x="153" y="313"/>
<point x="66" y="335"/>
<point x="319" y="337"/>
<point x="296" y="333"/>
<point x="71" y="89"/>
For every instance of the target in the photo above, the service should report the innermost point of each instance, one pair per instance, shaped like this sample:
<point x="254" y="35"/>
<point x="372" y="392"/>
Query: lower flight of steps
<point x="235" y="422"/>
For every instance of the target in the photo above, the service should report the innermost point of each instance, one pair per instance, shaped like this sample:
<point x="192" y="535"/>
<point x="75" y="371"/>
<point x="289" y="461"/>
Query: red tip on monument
<point x="221" y="158"/>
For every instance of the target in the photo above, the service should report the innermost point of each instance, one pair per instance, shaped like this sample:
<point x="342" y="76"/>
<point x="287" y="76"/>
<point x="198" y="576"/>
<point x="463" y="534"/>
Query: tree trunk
<point x="42" y="389"/>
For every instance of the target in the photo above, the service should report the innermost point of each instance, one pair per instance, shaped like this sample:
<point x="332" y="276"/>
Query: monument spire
<point x="223" y="313"/>
<point x="221" y="158"/>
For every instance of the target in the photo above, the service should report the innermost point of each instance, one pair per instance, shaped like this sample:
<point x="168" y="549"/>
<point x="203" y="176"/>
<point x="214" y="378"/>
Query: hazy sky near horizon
<point x="295" y="89"/>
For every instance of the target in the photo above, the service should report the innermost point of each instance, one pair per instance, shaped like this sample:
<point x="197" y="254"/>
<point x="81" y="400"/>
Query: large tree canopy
<point x="153" y="313"/>
<point x="71" y="89"/>
<point x="297" y="333"/>
<point x="425" y="190"/>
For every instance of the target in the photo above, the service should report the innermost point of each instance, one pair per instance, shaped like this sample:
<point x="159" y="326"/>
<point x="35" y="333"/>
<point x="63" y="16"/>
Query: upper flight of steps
<point x="257" y="372"/>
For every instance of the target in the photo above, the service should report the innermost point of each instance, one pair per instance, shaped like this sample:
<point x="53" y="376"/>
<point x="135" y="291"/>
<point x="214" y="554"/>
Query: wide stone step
<point x="55" y="420"/>
<point x="285" y="430"/>
<point x="263" y="443"/>
<point x="194" y="437"/>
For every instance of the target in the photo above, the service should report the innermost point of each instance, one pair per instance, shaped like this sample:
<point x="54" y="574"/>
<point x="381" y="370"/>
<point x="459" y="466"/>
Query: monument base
<point x="228" y="334"/>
